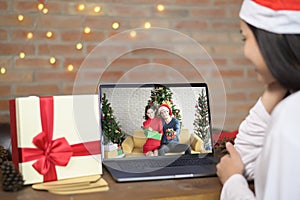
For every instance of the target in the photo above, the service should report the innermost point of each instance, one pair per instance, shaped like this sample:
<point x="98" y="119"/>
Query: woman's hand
<point x="273" y="94"/>
<point x="230" y="164"/>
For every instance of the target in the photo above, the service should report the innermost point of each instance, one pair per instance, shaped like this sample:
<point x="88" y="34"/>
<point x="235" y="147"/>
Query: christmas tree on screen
<point x="110" y="126"/>
<point x="201" y="122"/>
<point x="163" y="95"/>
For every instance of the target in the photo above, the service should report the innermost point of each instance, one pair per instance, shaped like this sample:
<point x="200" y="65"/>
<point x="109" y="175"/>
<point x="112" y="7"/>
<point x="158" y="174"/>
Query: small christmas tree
<point x="110" y="126"/>
<point x="201" y="123"/>
<point x="163" y="95"/>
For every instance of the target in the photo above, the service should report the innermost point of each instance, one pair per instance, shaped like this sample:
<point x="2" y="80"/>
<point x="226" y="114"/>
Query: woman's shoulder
<point x="288" y="107"/>
<point x="147" y="122"/>
<point x="285" y="119"/>
<point x="290" y="102"/>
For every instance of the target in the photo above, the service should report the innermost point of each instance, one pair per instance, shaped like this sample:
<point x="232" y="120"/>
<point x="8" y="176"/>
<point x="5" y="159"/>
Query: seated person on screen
<point x="171" y="130"/>
<point x="152" y="123"/>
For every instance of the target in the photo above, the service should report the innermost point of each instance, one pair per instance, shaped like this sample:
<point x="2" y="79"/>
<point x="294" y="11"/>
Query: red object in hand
<point x="170" y="134"/>
<point x="217" y="138"/>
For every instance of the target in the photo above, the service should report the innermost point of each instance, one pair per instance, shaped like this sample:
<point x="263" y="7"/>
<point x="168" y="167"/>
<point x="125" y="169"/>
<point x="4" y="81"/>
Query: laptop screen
<point x="139" y="120"/>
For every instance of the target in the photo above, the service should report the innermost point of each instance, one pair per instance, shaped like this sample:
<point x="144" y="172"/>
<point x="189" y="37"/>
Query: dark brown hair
<point x="147" y="108"/>
<point x="282" y="56"/>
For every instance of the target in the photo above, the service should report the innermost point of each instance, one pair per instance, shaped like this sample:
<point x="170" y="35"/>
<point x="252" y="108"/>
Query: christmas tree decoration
<point x="163" y="95"/>
<point x="12" y="179"/>
<point x="110" y="126"/>
<point x="201" y="122"/>
<point x="3" y="155"/>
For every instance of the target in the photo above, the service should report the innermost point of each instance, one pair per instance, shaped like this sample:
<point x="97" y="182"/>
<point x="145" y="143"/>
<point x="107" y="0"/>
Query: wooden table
<point x="208" y="188"/>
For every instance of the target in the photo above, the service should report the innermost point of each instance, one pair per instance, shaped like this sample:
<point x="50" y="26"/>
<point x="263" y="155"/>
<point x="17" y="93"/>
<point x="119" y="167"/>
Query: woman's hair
<point x="147" y="108"/>
<point x="281" y="53"/>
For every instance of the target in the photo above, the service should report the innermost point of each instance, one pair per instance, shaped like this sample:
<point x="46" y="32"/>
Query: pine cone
<point x="12" y="179"/>
<point x="3" y="155"/>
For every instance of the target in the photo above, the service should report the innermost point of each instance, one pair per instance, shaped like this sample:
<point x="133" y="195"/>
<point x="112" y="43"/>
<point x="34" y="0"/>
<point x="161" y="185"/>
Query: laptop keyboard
<point x="159" y="163"/>
<point x="192" y="162"/>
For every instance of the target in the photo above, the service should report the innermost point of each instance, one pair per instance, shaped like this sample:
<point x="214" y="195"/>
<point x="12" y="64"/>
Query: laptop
<point x="122" y="111"/>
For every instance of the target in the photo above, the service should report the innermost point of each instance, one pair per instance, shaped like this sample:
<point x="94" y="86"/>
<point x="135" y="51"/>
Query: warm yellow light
<point x="22" y="55"/>
<point x="52" y="60"/>
<point x="45" y="10"/>
<point x="70" y="67"/>
<point x="20" y="18"/>
<point x="79" y="46"/>
<point x="132" y="34"/>
<point x="49" y="34"/>
<point x="40" y="6"/>
<point x="160" y="7"/>
<point x="147" y="25"/>
<point x="29" y="35"/>
<point x="87" y="30"/>
<point x="115" y="25"/>
<point x="81" y="7"/>
<point x="97" y="9"/>
<point x="2" y="70"/>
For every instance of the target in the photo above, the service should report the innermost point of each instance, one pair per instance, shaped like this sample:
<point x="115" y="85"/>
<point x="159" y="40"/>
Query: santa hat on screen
<point x="276" y="16"/>
<point x="165" y="107"/>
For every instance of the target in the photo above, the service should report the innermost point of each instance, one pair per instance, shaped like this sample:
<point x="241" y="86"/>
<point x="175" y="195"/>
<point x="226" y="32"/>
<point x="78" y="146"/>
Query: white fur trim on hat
<point x="166" y="108"/>
<point x="163" y="108"/>
<point x="281" y="21"/>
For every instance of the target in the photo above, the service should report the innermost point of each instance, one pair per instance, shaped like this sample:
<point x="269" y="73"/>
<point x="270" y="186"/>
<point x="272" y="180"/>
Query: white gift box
<point x="56" y="137"/>
<point x="110" y="147"/>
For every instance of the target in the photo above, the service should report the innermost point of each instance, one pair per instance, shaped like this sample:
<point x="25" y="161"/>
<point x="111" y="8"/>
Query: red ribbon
<point x="50" y="153"/>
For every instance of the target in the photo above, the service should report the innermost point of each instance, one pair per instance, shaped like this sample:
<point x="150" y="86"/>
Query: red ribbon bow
<point x="50" y="153"/>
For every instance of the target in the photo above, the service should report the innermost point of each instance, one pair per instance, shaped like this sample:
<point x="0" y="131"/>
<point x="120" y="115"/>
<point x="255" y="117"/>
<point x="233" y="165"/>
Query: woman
<point x="171" y="130"/>
<point x="266" y="148"/>
<point x="152" y="123"/>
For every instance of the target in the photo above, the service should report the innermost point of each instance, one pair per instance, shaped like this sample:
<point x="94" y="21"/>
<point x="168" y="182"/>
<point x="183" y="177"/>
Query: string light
<point x="29" y="35"/>
<point x="115" y="25"/>
<point x="79" y="46"/>
<point x="2" y="70"/>
<point x="97" y="9"/>
<point x="147" y="25"/>
<point x="49" y="34"/>
<point x="40" y="6"/>
<point x="70" y="67"/>
<point x="160" y="7"/>
<point x="52" y="60"/>
<point x="20" y="18"/>
<point x="132" y="34"/>
<point x="80" y="7"/>
<point x="45" y="10"/>
<point x="22" y="55"/>
<point x="87" y="30"/>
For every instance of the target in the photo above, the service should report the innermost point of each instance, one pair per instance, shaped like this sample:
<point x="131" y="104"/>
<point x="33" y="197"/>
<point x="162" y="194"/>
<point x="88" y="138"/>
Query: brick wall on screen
<point x="214" y="24"/>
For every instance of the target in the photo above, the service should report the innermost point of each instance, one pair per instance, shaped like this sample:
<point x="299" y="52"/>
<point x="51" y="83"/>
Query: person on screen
<point x="171" y="130"/>
<point x="152" y="123"/>
<point x="266" y="148"/>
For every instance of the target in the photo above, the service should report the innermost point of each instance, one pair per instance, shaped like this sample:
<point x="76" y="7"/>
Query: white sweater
<point x="270" y="150"/>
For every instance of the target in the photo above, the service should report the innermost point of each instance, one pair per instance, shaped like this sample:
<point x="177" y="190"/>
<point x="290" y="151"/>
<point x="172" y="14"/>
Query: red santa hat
<point x="277" y="16"/>
<point x="165" y="107"/>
